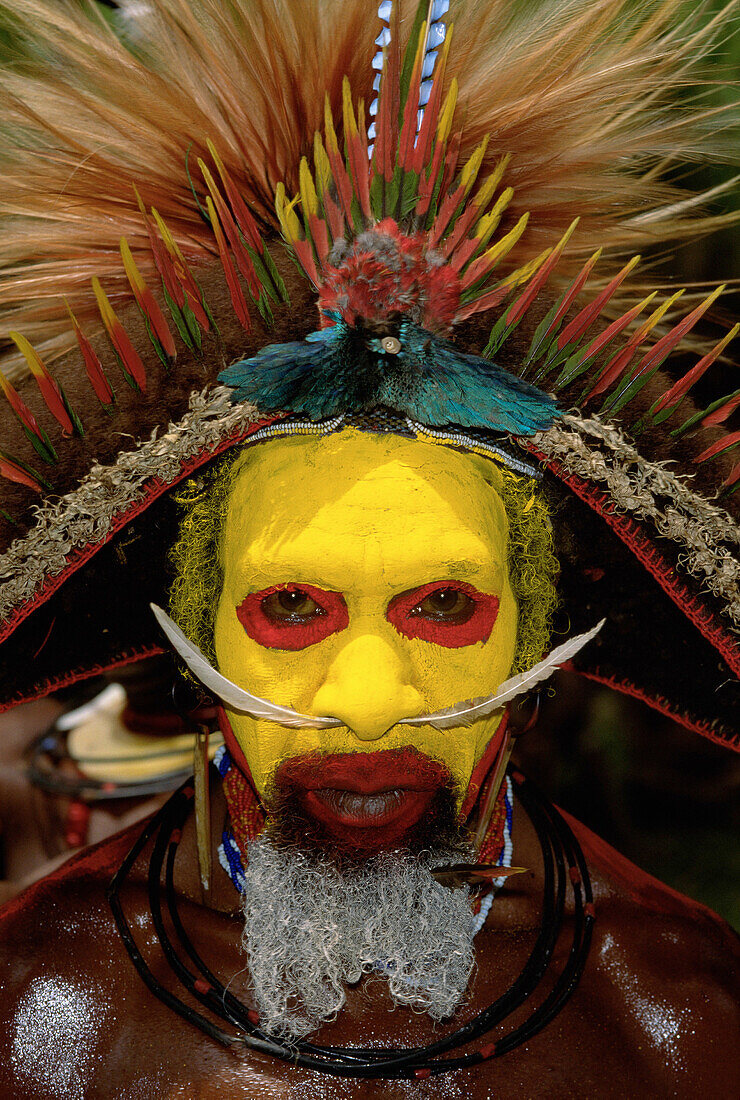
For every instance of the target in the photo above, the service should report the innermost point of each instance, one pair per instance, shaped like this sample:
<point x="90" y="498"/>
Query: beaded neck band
<point x="247" y="820"/>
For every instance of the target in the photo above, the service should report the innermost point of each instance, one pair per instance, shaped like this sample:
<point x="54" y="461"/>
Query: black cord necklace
<point x="564" y="864"/>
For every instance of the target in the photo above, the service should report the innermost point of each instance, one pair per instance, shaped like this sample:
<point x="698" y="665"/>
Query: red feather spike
<point x="22" y="411"/>
<point x="407" y="137"/>
<point x="355" y="140"/>
<point x="333" y="216"/>
<point x="464" y="253"/>
<point x="120" y="339"/>
<point x="589" y="313"/>
<point x="338" y="169"/>
<point x="612" y="331"/>
<point x="733" y="477"/>
<point x="452" y="154"/>
<point x="683" y="385"/>
<point x="464" y="223"/>
<point x="522" y="304"/>
<point x="427" y="185"/>
<point x="232" y="279"/>
<point x="93" y="366"/>
<point x="147" y="302"/>
<point x="429" y="122"/>
<point x="50" y="390"/>
<point x="162" y="261"/>
<point x="242" y="213"/>
<point x="183" y="274"/>
<point x="487" y="301"/>
<point x="319" y="236"/>
<point x="386" y="121"/>
<point x="668" y="342"/>
<point x="618" y="364"/>
<point x="243" y="260"/>
<point x="385" y="144"/>
<point x="446" y="212"/>
<point x="724" y="444"/>
<point x="304" y="253"/>
<point x="12" y="471"/>
<point x="719" y="415"/>
<point x="570" y="295"/>
<point x="615" y="367"/>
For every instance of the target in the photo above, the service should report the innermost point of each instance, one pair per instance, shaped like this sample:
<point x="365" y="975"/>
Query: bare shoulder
<point x="666" y="971"/>
<point x="60" y="961"/>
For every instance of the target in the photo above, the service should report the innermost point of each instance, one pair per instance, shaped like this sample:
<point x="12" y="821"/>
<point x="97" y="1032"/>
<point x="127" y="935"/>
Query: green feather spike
<point x="697" y="417"/>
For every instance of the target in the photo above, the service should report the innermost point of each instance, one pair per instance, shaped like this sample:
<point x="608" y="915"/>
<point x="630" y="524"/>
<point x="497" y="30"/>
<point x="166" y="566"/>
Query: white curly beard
<point x="312" y="928"/>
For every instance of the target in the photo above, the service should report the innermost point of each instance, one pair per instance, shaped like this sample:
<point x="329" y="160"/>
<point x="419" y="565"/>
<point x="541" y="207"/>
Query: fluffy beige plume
<point x="578" y="91"/>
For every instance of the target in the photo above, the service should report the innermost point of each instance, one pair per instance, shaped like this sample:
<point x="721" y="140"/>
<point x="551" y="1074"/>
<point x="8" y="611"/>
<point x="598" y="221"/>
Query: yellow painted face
<point x="365" y="578"/>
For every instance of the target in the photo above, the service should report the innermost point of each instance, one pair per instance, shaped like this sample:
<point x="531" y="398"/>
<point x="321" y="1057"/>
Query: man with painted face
<point x="371" y="578"/>
<point x="380" y="594"/>
<point x="359" y="899"/>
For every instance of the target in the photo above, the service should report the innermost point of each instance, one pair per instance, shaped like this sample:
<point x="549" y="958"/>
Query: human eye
<point x="445" y="605"/>
<point x="292" y="615"/>
<point x="291" y="605"/>
<point x="446" y="613"/>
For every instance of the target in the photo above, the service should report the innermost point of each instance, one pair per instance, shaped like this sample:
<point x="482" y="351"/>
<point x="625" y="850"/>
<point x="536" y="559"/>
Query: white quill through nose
<point x="230" y="693"/>
<point x="464" y="714"/>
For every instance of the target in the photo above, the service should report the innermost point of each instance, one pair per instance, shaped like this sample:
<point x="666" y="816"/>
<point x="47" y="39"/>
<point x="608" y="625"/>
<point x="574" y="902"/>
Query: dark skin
<point x="654" y="1014"/>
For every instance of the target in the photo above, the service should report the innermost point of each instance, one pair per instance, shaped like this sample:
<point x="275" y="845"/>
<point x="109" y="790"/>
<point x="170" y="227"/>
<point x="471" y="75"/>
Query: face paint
<point x="364" y="578"/>
<point x="291" y="617"/>
<point x="449" y="613"/>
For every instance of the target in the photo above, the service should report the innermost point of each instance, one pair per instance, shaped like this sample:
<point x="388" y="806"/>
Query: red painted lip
<point x="364" y="772"/>
<point x="364" y="800"/>
<point x="352" y="809"/>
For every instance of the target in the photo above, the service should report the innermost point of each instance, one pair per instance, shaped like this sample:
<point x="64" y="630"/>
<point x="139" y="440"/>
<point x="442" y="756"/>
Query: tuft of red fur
<point x="579" y="92"/>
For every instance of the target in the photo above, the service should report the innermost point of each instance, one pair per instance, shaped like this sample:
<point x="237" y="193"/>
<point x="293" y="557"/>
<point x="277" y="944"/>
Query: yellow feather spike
<point x="646" y="301"/>
<point x="485" y="193"/>
<point x="331" y="135"/>
<point x="488" y="223"/>
<point x="657" y="314"/>
<point x="169" y="241"/>
<point x="129" y="266"/>
<point x="29" y="353"/>
<point x="524" y="273"/>
<point x="348" y="111"/>
<point x="502" y="248"/>
<point x="446" y="114"/>
<point x="321" y="164"/>
<point x="472" y="165"/>
<point x="106" y="309"/>
<point x="309" y="201"/>
<point x="139" y="200"/>
<point x="287" y="217"/>
<point x="217" y="160"/>
<point x="210" y="182"/>
<point x="421" y="45"/>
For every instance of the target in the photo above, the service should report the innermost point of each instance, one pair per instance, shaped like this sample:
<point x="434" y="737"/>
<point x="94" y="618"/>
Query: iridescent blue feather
<point x="343" y="370"/>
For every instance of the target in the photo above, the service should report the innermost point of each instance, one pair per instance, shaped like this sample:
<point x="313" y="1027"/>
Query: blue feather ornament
<point x="351" y="369"/>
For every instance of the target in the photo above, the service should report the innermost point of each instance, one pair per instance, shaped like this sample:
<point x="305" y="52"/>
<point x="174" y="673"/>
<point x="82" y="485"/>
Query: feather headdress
<point x="577" y="93"/>
<point x="141" y="162"/>
<point x="352" y="215"/>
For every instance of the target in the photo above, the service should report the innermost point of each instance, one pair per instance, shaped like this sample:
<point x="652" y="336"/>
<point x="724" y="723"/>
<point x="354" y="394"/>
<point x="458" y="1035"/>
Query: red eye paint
<point x="269" y="619"/>
<point x="447" y="613"/>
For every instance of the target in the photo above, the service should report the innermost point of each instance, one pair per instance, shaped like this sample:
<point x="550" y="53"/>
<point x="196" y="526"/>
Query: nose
<point x="367" y="689"/>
